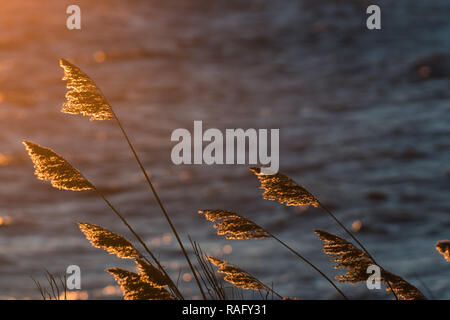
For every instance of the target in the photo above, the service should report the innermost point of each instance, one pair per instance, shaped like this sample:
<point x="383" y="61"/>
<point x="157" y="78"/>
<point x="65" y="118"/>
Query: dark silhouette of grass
<point x="57" y="289"/>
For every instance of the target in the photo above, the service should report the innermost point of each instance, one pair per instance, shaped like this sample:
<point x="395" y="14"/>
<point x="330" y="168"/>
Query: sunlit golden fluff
<point x="283" y="189"/>
<point x="403" y="289"/>
<point x="151" y="274"/>
<point x="85" y="97"/>
<point x="346" y="255"/>
<point x="236" y="276"/>
<point x="134" y="287"/>
<point x="234" y="226"/>
<point x="52" y="167"/>
<point x="443" y="247"/>
<point x="108" y="240"/>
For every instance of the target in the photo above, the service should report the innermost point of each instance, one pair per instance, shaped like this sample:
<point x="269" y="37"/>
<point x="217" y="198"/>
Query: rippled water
<point x="363" y="116"/>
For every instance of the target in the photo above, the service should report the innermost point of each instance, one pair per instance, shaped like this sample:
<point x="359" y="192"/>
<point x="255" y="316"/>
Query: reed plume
<point x="285" y="190"/>
<point x="84" y="97"/>
<point x="52" y="167"/>
<point x="134" y="287"/>
<point x="443" y="247"/>
<point x="108" y="240"/>
<point x="347" y="256"/>
<point x="151" y="274"/>
<point x="233" y="226"/>
<point x="237" y="276"/>
<point x="87" y="99"/>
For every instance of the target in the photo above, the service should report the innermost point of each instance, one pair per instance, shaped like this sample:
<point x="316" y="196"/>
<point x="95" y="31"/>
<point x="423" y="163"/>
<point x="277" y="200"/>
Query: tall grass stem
<point x="160" y="205"/>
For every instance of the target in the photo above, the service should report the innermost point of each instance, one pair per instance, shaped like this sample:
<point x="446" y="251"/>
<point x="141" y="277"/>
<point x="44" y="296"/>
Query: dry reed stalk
<point x="53" y="167"/>
<point x="216" y="290"/>
<point x="234" y="226"/>
<point x="53" y="293"/>
<point x="87" y="99"/>
<point x="356" y="261"/>
<point x="281" y="188"/>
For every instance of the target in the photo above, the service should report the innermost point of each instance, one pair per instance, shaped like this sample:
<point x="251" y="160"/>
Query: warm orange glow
<point x="99" y="56"/>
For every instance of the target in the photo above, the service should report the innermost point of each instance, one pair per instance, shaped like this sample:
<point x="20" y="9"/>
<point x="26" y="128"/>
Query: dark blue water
<point x="363" y="116"/>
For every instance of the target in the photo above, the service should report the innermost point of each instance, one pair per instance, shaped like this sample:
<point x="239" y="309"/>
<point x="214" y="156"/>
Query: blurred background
<point x="363" y="116"/>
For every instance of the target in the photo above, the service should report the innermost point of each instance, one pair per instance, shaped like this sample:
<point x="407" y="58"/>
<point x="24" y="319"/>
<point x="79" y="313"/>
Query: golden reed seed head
<point x="108" y="240"/>
<point x="346" y="255"/>
<point x="134" y="287"/>
<point x="443" y="247"/>
<point x="233" y="226"/>
<point x="151" y="274"/>
<point x="283" y="189"/>
<point x="52" y="167"/>
<point x="349" y="257"/>
<point x="236" y="276"/>
<point x="402" y="288"/>
<point x="85" y="97"/>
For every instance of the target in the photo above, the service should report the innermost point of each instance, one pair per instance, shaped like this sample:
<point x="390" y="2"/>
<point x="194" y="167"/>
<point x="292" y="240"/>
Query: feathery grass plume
<point x="443" y="247"/>
<point x="402" y="288"/>
<point x="151" y="274"/>
<point x="234" y="226"/>
<point x="135" y="288"/>
<point x="52" y="167"/>
<point x="85" y="97"/>
<point x="108" y="240"/>
<point x="237" y="276"/>
<point x="346" y="255"/>
<point x="285" y="190"/>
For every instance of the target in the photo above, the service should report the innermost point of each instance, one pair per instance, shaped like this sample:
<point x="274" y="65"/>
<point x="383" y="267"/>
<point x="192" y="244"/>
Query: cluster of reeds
<point x="56" y="289"/>
<point x="151" y="281"/>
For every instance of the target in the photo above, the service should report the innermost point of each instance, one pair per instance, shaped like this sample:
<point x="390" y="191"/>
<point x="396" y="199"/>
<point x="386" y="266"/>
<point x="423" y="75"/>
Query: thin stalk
<point x="208" y="271"/>
<point x="160" y="204"/>
<point x="272" y="291"/>
<point x="355" y="239"/>
<point x="172" y="285"/>
<point x="309" y="263"/>
<point x="200" y="258"/>
<point x="41" y="291"/>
